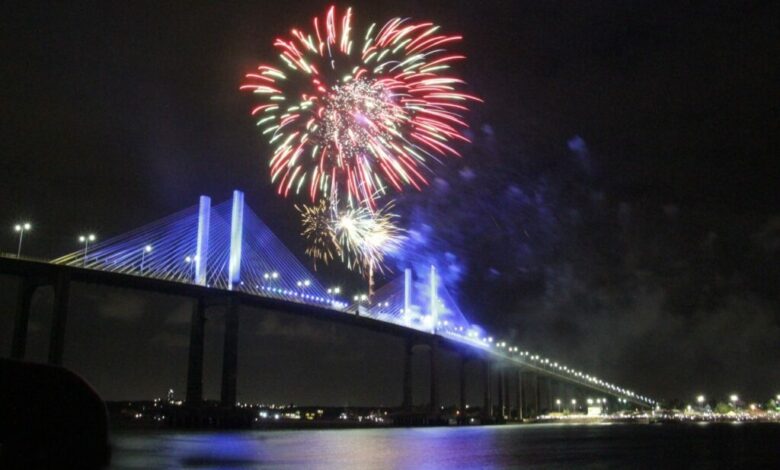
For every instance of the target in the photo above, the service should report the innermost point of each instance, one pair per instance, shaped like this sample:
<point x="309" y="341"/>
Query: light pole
<point x="558" y="402"/>
<point x="85" y="239"/>
<point x="21" y="228"/>
<point x="144" y="251"/>
<point x="734" y="398"/>
<point x="574" y="405"/>
<point x="191" y="261"/>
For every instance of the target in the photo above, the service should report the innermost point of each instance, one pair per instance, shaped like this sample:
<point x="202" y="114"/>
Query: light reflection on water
<point x="529" y="446"/>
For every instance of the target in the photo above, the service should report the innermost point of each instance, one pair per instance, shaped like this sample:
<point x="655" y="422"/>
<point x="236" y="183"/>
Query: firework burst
<point x="317" y="222"/>
<point x="347" y="120"/>
<point x="366" y="236"/>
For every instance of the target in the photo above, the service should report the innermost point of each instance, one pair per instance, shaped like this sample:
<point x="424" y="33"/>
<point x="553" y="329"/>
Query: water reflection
<point x="358" y="448"/>
<point x="529" y="446"/>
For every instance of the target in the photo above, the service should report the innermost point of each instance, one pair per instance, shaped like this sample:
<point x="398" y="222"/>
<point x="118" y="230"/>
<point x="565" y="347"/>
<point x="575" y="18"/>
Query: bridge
<point x="224" y="255"/>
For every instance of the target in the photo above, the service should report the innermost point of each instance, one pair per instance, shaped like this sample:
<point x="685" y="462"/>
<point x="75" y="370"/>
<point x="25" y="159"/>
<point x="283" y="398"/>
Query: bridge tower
<point x="236" y="239"/>
<point x="202" y="244"/>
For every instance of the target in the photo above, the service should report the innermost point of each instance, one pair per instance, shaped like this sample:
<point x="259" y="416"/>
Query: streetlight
<point x="191" y="261"/>
<point x="700" y="400"/>
<point x="144" y="251"/>
<point x="734" y="398"/>
<point x="574" y="404"/>
<point x="85" y="239"/>
<point x="558" y="402"/>
<point x="21" y="228"/>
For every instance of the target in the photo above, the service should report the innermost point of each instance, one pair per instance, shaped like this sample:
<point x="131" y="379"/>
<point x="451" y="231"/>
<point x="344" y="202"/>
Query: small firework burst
<point x="318" y="231"/>
<point x="366" y="236"/>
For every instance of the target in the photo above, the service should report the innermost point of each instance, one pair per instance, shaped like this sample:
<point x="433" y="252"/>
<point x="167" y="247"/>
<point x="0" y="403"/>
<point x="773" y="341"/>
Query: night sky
<point x="617" y="210"/>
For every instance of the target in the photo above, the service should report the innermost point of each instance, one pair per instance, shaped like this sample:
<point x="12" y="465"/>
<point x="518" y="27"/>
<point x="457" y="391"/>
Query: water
<point x="531" y="446"/>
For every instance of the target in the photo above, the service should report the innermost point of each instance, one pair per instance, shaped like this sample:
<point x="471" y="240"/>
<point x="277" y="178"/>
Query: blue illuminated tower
<point x="202" y="246"/>
<point x="236" y="239"/>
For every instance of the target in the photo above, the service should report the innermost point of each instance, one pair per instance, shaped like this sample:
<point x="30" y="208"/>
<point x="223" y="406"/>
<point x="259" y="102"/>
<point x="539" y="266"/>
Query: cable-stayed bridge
<point x="225" y="254"/>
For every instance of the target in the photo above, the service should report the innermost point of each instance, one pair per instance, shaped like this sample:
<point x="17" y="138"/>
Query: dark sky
<point x="617" y="210"/>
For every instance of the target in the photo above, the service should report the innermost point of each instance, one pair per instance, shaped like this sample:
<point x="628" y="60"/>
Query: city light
<point x="734" y="398"/>
<point x="700" y="399"/>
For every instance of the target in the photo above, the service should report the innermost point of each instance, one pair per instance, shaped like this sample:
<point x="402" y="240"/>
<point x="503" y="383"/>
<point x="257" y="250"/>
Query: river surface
<point x="665" y="446"/>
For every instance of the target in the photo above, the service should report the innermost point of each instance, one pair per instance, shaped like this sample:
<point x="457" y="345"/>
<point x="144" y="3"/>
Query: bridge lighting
<point x="20" y="229"/>
<point x="85" y="239"/>
<point x="191" y="261"/>
<point x="144" y="251"/>
<point x="274" y="275"/>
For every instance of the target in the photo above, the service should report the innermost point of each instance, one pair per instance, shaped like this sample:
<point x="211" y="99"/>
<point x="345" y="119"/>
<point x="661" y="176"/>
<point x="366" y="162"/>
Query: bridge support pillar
<point x="541" y="391"/>
<point x="195" y="363"/>
<point x="520" y="395"/>
<point x="487" y="403"/>
<point x="230" y="354"/>
<point x="59" y="318"/>
<point x="570" y="395"/>
<point x="507" y="400"/>
<point x="434" y="386"/>
<point x="553" y="395"/>
<point x="462" y="387"/>
<point x="501" y="395"/>
<point x="538" y="391"/>
<point x="550" y="392"/>
<point x="407" y="402"/>
<point x="22" y="318"/>
<point x="530" y="384"/>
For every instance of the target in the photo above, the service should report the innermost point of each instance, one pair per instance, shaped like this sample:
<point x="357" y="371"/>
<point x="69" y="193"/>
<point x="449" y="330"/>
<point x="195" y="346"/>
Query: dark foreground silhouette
<point x="50" y="418"/>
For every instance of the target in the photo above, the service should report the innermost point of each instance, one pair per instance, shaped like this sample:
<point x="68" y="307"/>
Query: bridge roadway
<point x="36" y="273"/>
